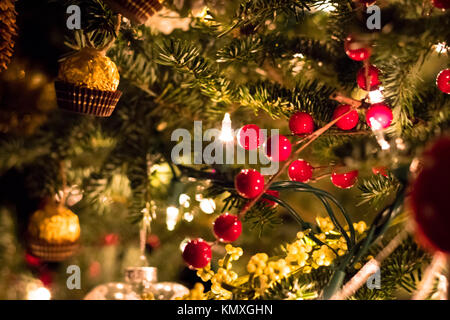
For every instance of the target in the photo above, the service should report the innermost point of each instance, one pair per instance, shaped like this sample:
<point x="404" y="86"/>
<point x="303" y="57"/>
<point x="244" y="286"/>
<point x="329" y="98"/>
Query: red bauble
<point x="443" y="81"/>
<point x="441" y="4"/>
<point x="379" y="116"/>
<point x="46" y="277"/>
<point x="197" y="253"/>
<point x="348" y="121"/>
<point x="344" y="180"/>
<point x="380" y="170"/>
<point x="300" y="171"/>
<point x="227" y="228"/>
<point x="268" y="202"/>
<point x="373" y="78"/>
<point x="278" y="148"/>
<point x="356" y="50"/>
<point x="249" y="183"/>
<point x="429" y="197"/>
<point x="250" y="137"/>
<point x="301" y="123"/>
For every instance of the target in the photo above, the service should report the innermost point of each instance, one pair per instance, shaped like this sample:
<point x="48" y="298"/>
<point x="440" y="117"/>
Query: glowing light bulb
<point x="207" y="205"/>
<point x="39" y="293"/>
<point x="377" y="129"/>
<point x="184" y="200"/>
<point x="441" y="47"/>
<point x="188" y="216"/>
<point x="226" y="135"/>
<point x="376" y="96"/>
<point x="172" y="217"/>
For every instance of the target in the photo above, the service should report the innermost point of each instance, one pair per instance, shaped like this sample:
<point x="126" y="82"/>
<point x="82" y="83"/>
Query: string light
<point x="226" y="135"/>
<point x="376" y="96"/>
<point x="38" y="293"/>
<point x="188" y="216"/>
<point x="172" y="217"/>
<point x="379" y="135"/>
<point x="207" y="205"/>
<point x="184" y="200"/>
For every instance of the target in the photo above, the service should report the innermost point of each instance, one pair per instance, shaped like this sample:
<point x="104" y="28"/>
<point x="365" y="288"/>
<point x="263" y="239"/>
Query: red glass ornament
<point x="429" y="197"/>
<point x="301" y="123"/>
<point x="46" y="277"/>
<point x="379" y="115"/>
<point x="348" y="121"/>
<point x="443" y="81"/>
<point x="227" y="228"/>
<point x="373" y="78"/>
<point x="249" y="183"/>
<point x="250" y="137"/>
<point x="441" y="4"/>
<point x="344" y="180"/>
<point x="300" y="171"/>
<point x="380" y="170"/>
<point x="278" y="148"/>
<point x="197" y="253"/>
<point x="356" y="50"/>
<point x="268" y="202"/>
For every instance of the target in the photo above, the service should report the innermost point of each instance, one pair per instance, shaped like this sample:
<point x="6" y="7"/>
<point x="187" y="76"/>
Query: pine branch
<point x="377" y="188"/>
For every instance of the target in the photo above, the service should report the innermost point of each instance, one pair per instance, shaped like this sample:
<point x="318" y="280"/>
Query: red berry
<point x="227" y="228"/>
<point x="348" y="121"/>
<point x="278" y="148"/>
<point x="429" y="197"/>
<point x="249" y="183"/>
<point x="301" y="123"/>
<point x="441" y="4"/>
<point x="379" y="116"/>
<point x="373" y="78"/>
<point x="380" y="170"/>
<point x="268" y="202"/>
<point x="356" y="50"/>
<point x="197" y="253"/>
<point x="443" y="81"/>
<point x="300" y="170"/>
<point x="250" y="137"/>
<point x="344" y="180"/>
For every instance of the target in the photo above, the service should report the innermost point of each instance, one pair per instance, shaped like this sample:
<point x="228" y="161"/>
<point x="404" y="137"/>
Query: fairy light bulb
<point x="172" y="217"/>
<point x="207" y="206"/>
<point x="188" y="216"/>
<point x="377" y="130"/>
<point x="184" y="200"/>
<point x="226" y="134"/>
<point x="39" y="293"/>
<point x="376" y="96"/>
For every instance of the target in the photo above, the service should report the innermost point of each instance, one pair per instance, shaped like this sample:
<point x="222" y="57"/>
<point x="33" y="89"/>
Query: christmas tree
<point x="216" y="149"/>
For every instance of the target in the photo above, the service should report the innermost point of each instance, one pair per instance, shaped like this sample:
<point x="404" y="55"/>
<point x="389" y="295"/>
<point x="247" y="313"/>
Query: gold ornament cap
<point x="90" y="68"/>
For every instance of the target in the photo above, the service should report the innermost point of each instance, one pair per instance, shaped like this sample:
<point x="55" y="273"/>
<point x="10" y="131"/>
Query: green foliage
<point x="378" y="188"/>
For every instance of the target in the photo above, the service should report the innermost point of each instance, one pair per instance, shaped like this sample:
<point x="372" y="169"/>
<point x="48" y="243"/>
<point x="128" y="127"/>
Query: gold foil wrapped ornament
<point x="90" y="68"/>
<point x="53" y="232"/>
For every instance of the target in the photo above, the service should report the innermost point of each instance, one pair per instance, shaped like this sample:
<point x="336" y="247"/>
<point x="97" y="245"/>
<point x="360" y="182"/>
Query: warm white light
<point x="326" y="7"/>
<point x="298" y="55"/>
<point x="183" y="244"/>
<point x="207" y="205"/>
<point x="184" y="200"/>
<point x="40" y="293"/>
<point x="441" y="47"/>
<point x="226" y="135"/>
<point x="379" y="135"/>
<point x="172" y="217"/>
<point x="376" y="96"/>
<point x="188" y="216"/>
